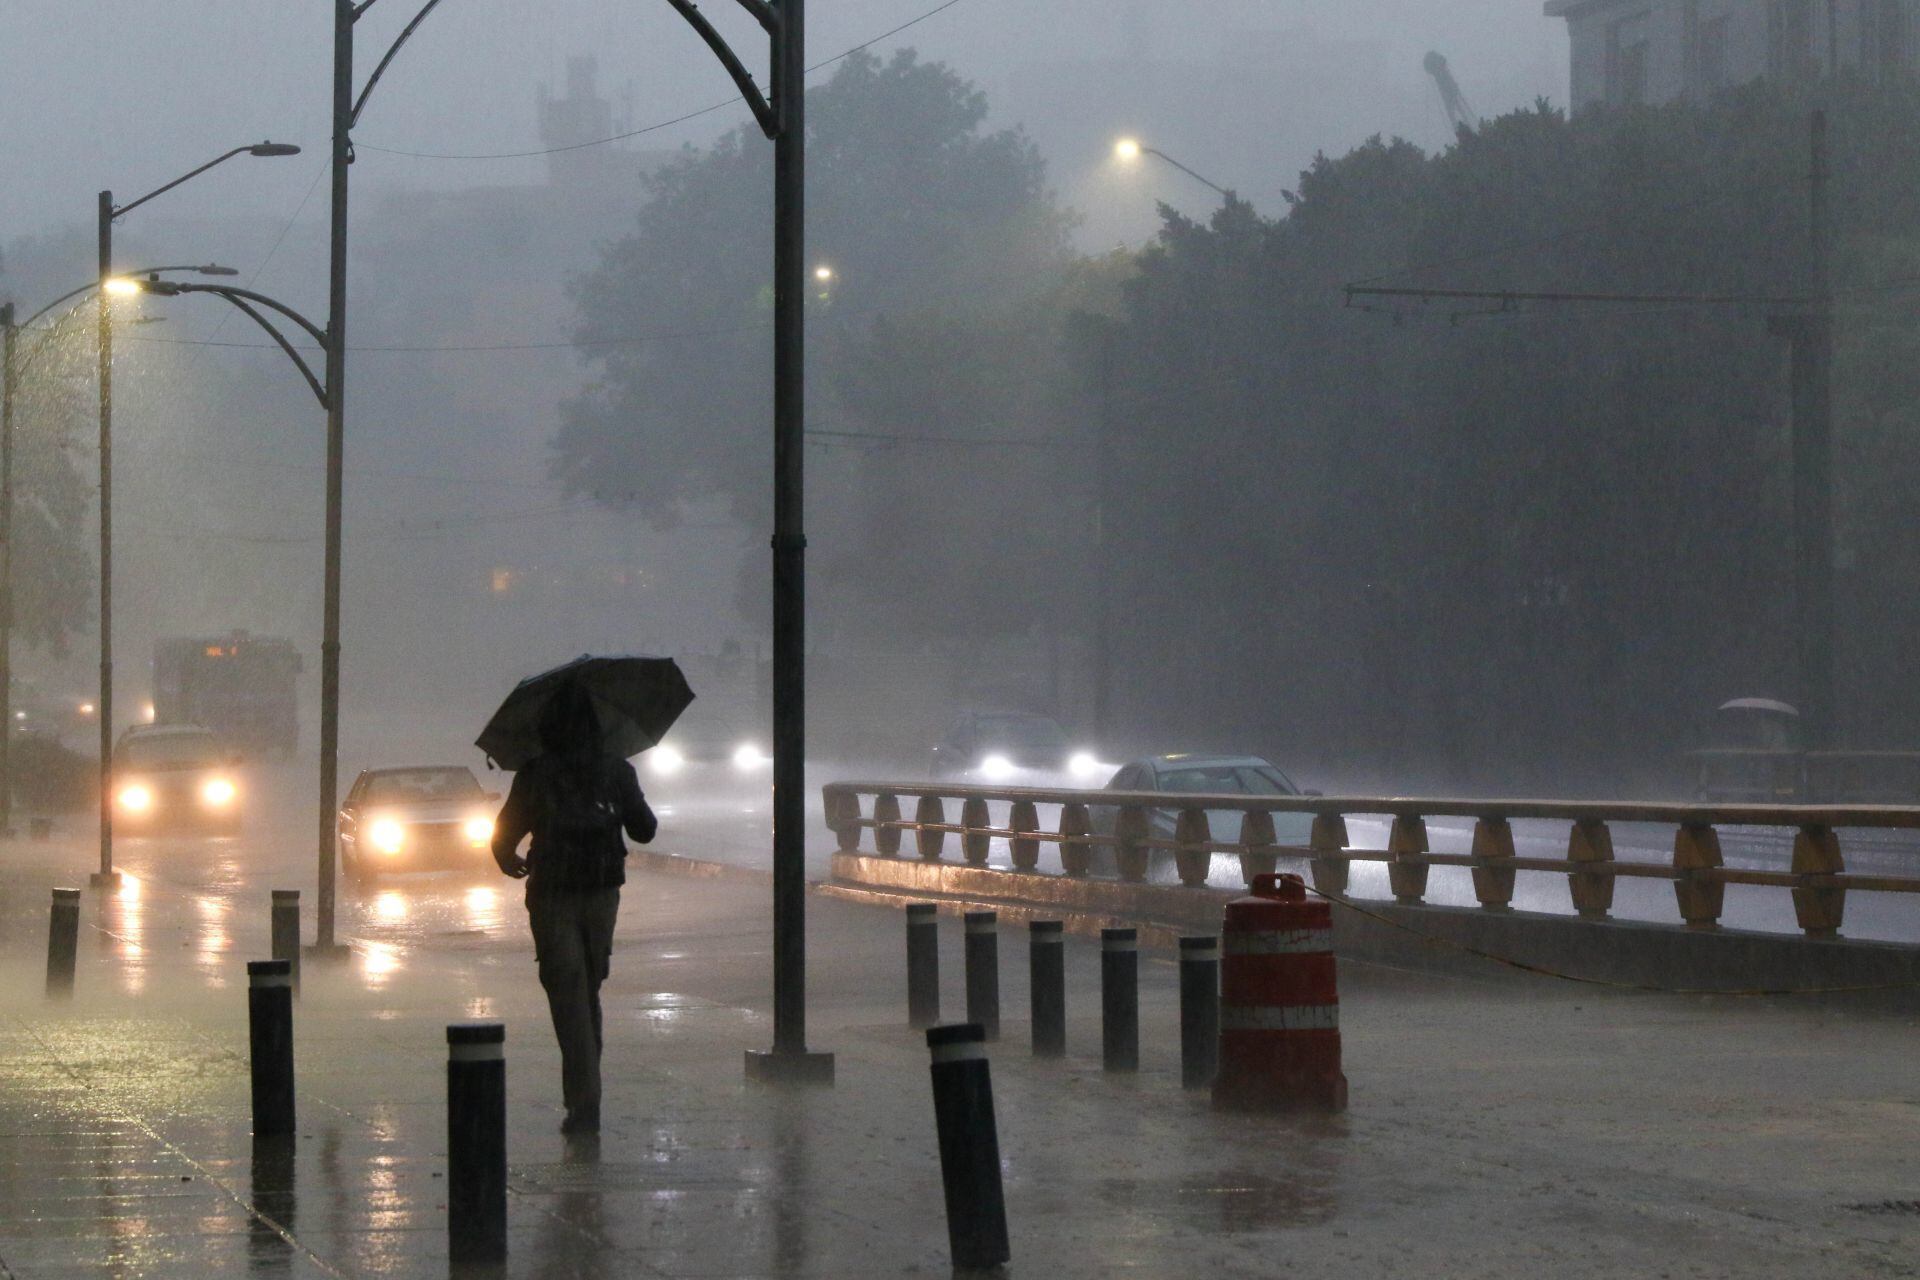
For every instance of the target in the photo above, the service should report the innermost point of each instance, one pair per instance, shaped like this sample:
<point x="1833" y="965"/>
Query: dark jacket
<point x="575" y="808"/>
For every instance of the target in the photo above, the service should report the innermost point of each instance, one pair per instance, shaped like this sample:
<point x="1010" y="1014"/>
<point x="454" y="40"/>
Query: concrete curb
<point x="1622" y="954"/>
<point x="675" y="864"/>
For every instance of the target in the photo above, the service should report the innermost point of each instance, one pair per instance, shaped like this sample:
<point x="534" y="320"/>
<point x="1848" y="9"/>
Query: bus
<point x="239" y="685"/>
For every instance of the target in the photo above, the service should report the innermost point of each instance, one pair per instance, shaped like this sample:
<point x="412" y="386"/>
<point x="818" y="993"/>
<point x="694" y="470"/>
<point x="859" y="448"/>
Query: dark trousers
<point x="573" y="943"/>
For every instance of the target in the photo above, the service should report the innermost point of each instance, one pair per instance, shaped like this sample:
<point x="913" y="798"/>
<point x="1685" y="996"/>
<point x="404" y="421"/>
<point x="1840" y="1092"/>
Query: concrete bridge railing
<point x="1817" y="877"/>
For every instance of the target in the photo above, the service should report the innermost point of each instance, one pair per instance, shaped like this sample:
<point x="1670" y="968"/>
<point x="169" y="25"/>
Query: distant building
<point x="1626" y="52"/>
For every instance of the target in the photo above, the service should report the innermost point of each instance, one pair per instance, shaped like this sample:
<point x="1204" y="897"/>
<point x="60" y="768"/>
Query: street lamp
<point x="1129" y="151"/>
<point x="108" y="211"/>
<point x="781" y="115"/>
<point x="13" y="366"/>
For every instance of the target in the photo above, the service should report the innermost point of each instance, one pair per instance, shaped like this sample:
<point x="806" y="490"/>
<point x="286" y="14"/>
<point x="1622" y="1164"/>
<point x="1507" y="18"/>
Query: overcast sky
<point x="128" y="93"/>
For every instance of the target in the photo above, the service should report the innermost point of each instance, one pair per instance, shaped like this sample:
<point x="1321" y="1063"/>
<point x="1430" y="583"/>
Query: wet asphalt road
<point x="1501" y="1129"/>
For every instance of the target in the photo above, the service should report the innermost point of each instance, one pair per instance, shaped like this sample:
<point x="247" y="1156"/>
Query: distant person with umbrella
<point x="567" y="734"/>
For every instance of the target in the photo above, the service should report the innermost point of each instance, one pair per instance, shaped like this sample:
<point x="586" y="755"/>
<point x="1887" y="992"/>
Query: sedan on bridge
<point x="1190" y="774"/>
<point x="416" y="818"/>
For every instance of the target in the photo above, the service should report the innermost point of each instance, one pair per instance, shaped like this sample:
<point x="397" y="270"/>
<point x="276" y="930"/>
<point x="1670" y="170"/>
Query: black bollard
<point x="270" y="1045"/>
<point x="1120" y="999"/>
<point x="1047" y="975"/>
<point x="983" y="971"/>
<point x="923" y="964"/>
<point x="1199" y="1011"/>
<point x="63" y="941"/>
<point x="969" y="1146"/>
<point x="286" y="931"/>
<point x="477" y="1141"/>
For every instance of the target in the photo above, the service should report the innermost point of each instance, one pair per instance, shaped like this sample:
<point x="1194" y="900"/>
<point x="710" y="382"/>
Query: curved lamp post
<point x="780" y="114"/>
<point x="108" y="211"/>
<point x="13" y="367"/>
<point x="1129" y="150"/>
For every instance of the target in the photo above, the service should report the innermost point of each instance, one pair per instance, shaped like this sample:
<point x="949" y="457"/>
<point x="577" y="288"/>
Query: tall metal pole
<point x="789" y="1060"/>
<point x="1103" y="567"/>
<point x="336" y="383"/>
<point x="8" y="337"/>
<point x="1813" y="467"/>
<point x="1809" y="332"/>
<point x="104" y="703"/>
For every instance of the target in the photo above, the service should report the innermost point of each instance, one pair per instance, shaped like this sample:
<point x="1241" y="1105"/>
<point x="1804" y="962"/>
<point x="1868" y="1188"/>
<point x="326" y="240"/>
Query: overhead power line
<point x="656" y="127"/>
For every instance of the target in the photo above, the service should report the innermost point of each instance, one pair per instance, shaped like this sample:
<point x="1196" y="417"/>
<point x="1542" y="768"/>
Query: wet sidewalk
<point x="1504" y="1128"/>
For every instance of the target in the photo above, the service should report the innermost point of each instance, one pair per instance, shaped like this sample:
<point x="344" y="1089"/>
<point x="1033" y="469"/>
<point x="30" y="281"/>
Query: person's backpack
<point x="580" y="808"/>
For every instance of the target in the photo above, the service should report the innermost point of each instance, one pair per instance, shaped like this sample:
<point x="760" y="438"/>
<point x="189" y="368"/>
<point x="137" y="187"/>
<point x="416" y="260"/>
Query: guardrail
<point x="1817" y="878"/>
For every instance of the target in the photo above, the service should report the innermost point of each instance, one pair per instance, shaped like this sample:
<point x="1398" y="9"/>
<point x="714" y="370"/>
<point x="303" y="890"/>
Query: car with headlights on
<point x="171" y="778"/>
<point x="416" y="818"/>
<point x="1012" y="746"/>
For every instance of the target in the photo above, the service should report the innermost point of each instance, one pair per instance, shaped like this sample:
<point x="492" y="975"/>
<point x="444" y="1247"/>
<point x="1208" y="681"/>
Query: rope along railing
<point x="1124" y="822"/>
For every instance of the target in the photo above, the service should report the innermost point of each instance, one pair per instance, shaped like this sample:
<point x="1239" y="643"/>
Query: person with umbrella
<point x="567" y="734"/>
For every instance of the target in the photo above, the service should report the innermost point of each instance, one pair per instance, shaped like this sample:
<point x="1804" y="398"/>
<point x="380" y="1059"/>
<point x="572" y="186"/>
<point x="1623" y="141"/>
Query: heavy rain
<point x="601" y="604"/>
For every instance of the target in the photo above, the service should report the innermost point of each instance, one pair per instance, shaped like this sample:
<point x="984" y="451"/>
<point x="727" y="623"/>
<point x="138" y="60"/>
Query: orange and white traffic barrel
<point x="1279" y="1007"/>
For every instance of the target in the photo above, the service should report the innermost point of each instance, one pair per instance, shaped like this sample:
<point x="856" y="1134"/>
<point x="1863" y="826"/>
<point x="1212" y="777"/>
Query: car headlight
<point x="995" y="768"/>
<point x="479" y="830"/>
<point x="1084" y="764"/>
<point x="386" y="835"/>
<point x="218" y="793"/>
<point x="747" y="757"/>
<point x="137" y="798"/>
<point x="665" y="760"/>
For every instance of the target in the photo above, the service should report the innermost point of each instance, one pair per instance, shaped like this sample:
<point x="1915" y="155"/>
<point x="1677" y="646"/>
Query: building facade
<point x="1627" y="52"/>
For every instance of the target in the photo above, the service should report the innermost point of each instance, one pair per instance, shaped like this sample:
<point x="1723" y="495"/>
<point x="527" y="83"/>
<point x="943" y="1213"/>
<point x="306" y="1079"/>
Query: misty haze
<point x="520" y="527"/>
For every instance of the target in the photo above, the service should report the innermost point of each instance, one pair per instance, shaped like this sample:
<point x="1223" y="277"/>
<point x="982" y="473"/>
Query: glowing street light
<point x="823" y="273"/>
<point x="121" y="286"/>
<point x="1129" y="150"/>
<point x="107" y="213"/>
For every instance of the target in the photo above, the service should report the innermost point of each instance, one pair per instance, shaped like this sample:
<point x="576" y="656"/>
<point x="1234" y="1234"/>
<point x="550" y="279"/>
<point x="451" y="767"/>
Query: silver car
<point x="1206" y="775"/>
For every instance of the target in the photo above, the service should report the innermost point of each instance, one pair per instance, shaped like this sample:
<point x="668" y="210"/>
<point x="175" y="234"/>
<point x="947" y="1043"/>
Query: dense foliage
<point x="1533" y="547"/>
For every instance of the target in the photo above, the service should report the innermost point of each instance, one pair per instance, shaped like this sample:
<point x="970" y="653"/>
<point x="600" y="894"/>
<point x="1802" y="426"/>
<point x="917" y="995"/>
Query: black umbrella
<point x="637" y="701"/>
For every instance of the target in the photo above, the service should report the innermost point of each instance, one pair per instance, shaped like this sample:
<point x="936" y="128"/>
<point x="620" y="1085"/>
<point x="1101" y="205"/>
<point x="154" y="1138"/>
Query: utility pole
<point x="789" y="1061"/>
<point x="1103" y="566"/>
<point x="344" y="14"/>
<point x="782" y="117"/>
<point x="1809" y="332"/>
<point x="106" y="877"/>
<point x="8" y="336"/>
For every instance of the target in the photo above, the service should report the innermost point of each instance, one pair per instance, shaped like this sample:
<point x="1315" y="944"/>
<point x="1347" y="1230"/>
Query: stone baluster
<point x="1697" y="848"/>
<point x="843" y="816"/>
<point x="1192" y="832"/>
<point x="1330" y="834"/>
<point x="1816" y="851"/>
<point x="1130" y="827"/>
<point x="1492" y="883"/>
<point x="886" y="809"/>
<point x="1076" y="823"/>
<point x="1025" y="851"/>
<point x="1590" y="841"/>
<point x="974" y="840"/>
<point x="1408" y="880"/>
<point x="929" y="843"/>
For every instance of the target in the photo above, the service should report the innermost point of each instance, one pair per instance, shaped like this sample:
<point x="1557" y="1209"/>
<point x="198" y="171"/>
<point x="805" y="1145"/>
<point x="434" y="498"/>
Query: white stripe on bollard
<point x="476" y="1052"/>
<point x="964" y="1052"/>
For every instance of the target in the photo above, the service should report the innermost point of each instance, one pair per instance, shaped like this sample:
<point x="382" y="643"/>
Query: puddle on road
<point x="1230" y="1201"/>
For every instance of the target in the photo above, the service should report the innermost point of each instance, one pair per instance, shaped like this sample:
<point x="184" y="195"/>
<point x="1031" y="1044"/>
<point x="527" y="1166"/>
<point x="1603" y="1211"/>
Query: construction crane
<point x="1460" y="112"/>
